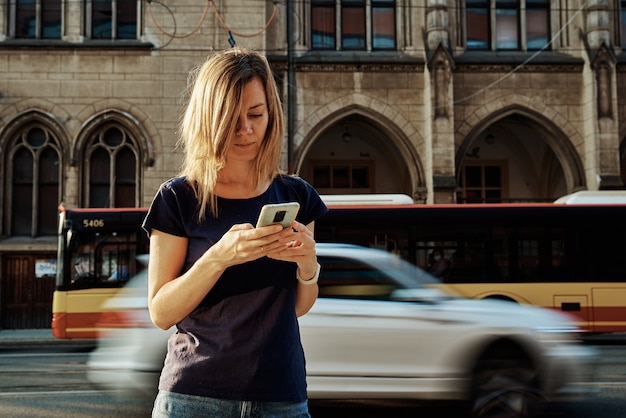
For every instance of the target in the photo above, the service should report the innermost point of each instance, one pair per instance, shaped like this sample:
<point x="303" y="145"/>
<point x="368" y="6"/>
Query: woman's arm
<point x="172" y="296"/>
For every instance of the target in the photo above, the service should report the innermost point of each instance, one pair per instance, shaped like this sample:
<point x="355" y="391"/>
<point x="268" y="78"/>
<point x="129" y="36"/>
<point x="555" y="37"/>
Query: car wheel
<point x="505" y="387"/>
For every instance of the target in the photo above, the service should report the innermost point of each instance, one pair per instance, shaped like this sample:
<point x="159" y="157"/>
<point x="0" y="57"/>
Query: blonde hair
<point x="210" y="119"/>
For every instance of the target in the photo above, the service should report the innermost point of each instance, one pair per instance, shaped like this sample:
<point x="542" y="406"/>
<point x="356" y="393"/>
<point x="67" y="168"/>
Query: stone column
<point x="607" y="139"/>
<point x="442" y="126"/>
<point x="440" y="65"/>
<point x="603" y="163"/>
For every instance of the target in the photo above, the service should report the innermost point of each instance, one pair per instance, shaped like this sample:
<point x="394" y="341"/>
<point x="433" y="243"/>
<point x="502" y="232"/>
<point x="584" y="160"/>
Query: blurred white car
<point x="381" y="328"/>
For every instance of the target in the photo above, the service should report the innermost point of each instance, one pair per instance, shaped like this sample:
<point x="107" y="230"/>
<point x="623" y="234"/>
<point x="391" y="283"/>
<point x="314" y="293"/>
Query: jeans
<point x="176" y="405"/>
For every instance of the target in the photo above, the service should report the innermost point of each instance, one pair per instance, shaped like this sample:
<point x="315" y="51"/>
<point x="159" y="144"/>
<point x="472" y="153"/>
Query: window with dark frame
<point x="36" y="19"/>
<point x="112" y="19"/>
<point x="537" y="24"/>
<point x="35" y="182"/>
<point x="507" y="24"/>
<point x="353" y="24"/>
<point x="362" y="25"/>
<point x="343" y="175"/>
<point x="323" y="24"/>
<point x="482" y="183"/>
<point x="477" y="23"/>
<point x="383" y="24"/>
<point x="103" y="19"/>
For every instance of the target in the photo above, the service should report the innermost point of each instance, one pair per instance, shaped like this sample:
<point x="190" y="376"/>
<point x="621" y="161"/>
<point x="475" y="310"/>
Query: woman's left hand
<point x="295" y="244"/>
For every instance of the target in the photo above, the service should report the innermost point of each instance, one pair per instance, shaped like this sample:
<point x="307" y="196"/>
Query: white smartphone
<point x="278" y="213"/>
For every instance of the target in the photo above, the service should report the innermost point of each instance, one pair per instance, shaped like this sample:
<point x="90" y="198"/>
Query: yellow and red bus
<point x="567" y="257"/>
<point x="98" y="252"/>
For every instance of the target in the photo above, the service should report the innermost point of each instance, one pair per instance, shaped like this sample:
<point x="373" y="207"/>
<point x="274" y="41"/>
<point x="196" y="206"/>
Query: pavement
<point x="42" y="336"/>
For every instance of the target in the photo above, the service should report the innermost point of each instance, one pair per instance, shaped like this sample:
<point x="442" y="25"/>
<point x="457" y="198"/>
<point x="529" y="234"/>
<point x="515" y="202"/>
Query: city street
<point x="481" y="142"/>
<point x="48" y="380"/>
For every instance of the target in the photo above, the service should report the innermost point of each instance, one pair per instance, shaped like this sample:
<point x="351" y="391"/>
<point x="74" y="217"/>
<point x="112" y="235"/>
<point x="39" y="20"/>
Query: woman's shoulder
<point x="175" y="182"/>
<point x="177" y="188"/>
<point x="177" y="185"/>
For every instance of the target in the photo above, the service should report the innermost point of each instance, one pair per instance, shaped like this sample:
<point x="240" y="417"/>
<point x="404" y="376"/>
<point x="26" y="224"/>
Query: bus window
<point x="468" y="262"/>
<point x="83" y="271"/>
<point x="114" y="265"/>
<point x="104" y="261"/>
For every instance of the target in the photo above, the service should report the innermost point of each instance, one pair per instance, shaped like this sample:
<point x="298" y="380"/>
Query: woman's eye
<point x="256" y="115"/>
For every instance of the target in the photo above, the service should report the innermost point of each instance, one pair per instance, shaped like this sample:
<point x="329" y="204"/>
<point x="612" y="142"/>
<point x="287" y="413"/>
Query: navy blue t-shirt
<point x="242" y="342"/>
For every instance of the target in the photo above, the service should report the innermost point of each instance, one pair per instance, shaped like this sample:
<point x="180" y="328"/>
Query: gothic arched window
<point x="34" y="186"/>
<point x="111" y="168"/>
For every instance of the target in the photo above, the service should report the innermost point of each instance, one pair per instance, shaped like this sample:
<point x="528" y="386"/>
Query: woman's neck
<point x="233" y="185"/>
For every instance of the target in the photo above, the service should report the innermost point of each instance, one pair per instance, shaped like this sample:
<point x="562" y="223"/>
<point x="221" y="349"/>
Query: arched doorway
<point x="356" y="155"/>
<point x="517" y="158"/>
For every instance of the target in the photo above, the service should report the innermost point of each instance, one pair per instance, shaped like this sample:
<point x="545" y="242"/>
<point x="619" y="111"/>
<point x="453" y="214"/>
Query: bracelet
<point x="313" y="279"/>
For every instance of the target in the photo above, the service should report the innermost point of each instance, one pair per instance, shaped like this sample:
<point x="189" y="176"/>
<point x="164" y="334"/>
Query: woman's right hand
<point x="243" y="243"/>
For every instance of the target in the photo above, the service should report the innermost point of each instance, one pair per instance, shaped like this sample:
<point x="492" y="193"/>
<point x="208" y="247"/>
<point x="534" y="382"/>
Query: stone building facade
<point x="444" y="100"/>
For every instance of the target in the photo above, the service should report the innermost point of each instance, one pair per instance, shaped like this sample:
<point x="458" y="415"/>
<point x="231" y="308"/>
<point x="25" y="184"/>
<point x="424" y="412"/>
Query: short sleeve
<point x="315" y="207"/>
<point x="166" y="212"/>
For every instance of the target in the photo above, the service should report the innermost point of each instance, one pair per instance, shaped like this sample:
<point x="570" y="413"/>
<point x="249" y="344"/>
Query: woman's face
<point x="252" y="123"/>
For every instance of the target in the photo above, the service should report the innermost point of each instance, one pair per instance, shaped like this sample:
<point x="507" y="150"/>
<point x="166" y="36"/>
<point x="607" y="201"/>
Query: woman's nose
<point x="244" y="126"/>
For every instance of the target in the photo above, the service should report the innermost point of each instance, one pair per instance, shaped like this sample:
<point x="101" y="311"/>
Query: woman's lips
<point x="245" y="144"/>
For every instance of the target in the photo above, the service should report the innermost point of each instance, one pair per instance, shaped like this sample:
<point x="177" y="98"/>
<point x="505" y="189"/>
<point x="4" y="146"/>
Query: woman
<point x="233" y="291"/>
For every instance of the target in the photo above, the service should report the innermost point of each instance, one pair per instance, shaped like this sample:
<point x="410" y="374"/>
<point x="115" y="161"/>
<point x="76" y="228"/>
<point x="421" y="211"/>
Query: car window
<point x="348" y="278"/>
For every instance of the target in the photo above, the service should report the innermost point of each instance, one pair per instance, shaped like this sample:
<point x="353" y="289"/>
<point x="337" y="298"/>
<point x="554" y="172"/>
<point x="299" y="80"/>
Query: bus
<point x="98" y="252"/>
<point x="567" y="257"/>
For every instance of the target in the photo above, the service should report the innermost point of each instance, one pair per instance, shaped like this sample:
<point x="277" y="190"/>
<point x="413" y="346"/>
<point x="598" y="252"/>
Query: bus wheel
<point x="505" y="387"/>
